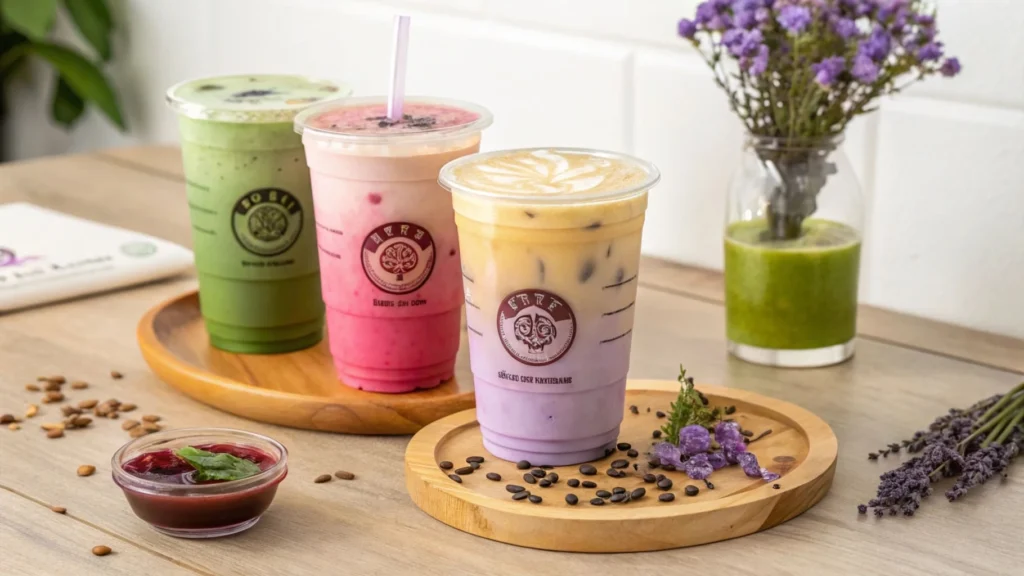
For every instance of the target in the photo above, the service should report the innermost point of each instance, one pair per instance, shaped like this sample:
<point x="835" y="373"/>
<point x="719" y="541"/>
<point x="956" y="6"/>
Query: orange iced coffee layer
<point x="548" y="188"/>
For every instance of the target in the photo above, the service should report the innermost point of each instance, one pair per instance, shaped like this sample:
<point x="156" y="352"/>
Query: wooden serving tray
<point x="299" y="389"/>
<point x="801" y="447"/>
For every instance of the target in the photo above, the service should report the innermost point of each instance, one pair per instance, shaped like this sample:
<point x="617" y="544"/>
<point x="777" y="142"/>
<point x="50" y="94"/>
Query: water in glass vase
<point x="792" y="302"/>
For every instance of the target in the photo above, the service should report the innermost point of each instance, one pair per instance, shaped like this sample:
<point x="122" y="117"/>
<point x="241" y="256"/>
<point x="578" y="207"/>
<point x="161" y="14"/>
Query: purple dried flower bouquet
<point x="798" y="71"/>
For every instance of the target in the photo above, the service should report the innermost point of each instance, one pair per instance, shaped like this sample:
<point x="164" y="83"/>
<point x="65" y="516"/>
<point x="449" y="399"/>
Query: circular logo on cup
<point x="267" y="221"/>
<point x="398" y="257"/>
<point x="536" y="327"/>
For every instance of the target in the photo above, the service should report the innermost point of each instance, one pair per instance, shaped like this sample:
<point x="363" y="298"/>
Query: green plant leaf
<point x="217" y="466"/>
<point x="93" y="20"/>
<point x="33" y="18"/>
<point x="67" y="106"/>
<point x="83" y="77"/>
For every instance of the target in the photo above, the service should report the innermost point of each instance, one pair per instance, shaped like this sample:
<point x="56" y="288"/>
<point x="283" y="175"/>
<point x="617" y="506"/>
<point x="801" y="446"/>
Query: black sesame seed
<point x="545" y="483"/>
<point x="632" y="453"/>
<point x="456" y="478"/>
<point x="523" y="465"/>
<point x="553" y="477"/>
<point x="535" y="499"/>
<point x="667" y="497"/>
<point x="477" y="459"/>
<point x="776" y="486"/>
<point x="494" y="476"/>
<point x="664" y="484"/>
<point x="618" y="490"/>
<point x="659" y="414"/>
<point x="691" y="490"/>
<point x="446" y="465"/>
<point x="465" y="470"/>
<point x="588" y="470"/>
<point x="529" y="478"/>
<point x="514" y="488"/>
<point x="668" y="468"/>
<point x="596" y="502"/>
<point x="623" y="446"/>
<point x="573" y="483"/>
<point x="571" y="499"/>
<point x="603" y="494"/>
<point x="521" y="495"/>
<point x="634" y="409"/>
<point x="650" y="478"/>
<point x="620" y="463"/>
<point x="588" y="484"/>
<point x="730" y="410"/>
<point x="538" y="473"/>
<point x="618" y="498"/>
<point x="638" y="493"/>
<point x="656" y="434"/>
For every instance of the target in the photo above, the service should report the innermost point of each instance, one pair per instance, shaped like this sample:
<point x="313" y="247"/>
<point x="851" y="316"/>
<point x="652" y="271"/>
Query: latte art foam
<point x="548" y="172"/>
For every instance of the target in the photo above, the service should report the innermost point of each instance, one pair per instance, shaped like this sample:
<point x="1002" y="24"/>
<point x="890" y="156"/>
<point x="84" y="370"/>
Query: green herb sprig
<point x="689" y="408"/>
<point x="217" y="466"/>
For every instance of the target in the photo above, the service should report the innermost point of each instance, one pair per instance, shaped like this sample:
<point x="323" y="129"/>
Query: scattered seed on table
<point x="618" y="490"/>
<point x="101" y="550"/>
<point x="88" y="404"/>
<point x="638" y="493"/>
<point x="59" y="509"/>
<point x="494" y="476"/>
<point x="632" y="453"/>
<point x="776" y="486"/>
<point x="129" y="424"/>
<point x="553" y="477"/>
<point x="535" y="499"/>
<point x="31" y="411"/>
<point x="126" y="407"/>
<point x="514" y="488"/>
<point x="603" y="494"/>
<point x="32" y="387"/>
<point x="691" y="490"/>
<point x="664" y="484"/>
<point x="464" y="471"/>
<point x="620" y="498"/>
<point x="571" y="499"/>
<point x="656" y="434"/>
<point x="456" y="478"/>
<point x="538" y="473"/>
<point x="659" y="414"/>
<point x="444" y="464"/>
<point x="668" y="468"/>
<point x="322" y="478"/>
<point x="52" y="397"/>
<point x="620" y="463"/>
<point x="14" y="426"/>
<point x="709" y="484"/>
<point x="529" y="478"/>
<point x="55" y="433"/>
<point x="623" y="446"/>
<point x="597" y="501"/>
<point x="650" y="478"/>
<point x="477" y="459"/>
<point x="667" y="497"/>
<point x="573" y="483"/>
<point x="86" y="470"/>
<point x="747" y="433"/>
<point x="544" y="483"/>
<point x="660" y="477"/>
<point x="730" y="410"/>
<point x="474" y="465"/>
<point x="588" y="484"/>
<point x="523" y="465"/>
<point x="634" y="409"/>
<point x="147" y="426"/>
<point x="81" y="421"/>
<point x="521" y="495"/>
<point x="116" y="375"/>
<point x="148" y="417"/>
<point x="648" y="409"/>
<point x="7" y="419"/>
<point x="79" y="385"/>
<point x="343" y="475"/>
<point x="588" y="470"/>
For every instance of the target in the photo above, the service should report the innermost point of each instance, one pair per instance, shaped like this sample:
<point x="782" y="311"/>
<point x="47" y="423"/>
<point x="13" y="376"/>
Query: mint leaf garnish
<point x="217" y="466"/>
<point x="688" y="409"/>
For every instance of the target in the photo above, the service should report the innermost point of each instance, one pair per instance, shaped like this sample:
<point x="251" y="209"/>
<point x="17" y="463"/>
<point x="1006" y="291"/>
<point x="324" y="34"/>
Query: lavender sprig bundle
<point x="973" y="445"/>
<point x="805" y="68"/>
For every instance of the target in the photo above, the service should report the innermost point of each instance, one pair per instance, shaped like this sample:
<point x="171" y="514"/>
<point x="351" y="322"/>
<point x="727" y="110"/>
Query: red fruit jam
<point x="162" y="488"/>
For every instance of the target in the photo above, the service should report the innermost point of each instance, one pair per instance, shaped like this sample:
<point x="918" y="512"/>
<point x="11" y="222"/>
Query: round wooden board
<point x="299" y="389"/>
<point x="801" y="447"/>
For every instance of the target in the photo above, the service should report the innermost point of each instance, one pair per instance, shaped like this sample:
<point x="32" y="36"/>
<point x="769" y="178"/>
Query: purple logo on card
<point x="9" y="258"/>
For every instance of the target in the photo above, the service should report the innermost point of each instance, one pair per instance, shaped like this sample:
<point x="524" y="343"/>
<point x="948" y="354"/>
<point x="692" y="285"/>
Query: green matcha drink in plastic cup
<point x="251" y="208"/>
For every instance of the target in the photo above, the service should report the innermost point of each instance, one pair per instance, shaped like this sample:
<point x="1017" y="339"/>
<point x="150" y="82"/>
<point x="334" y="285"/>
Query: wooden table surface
<point x="906" y="371"/>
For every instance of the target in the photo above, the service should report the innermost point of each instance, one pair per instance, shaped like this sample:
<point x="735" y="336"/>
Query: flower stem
<point x="1002" y="402"/>
<point x="1009" y="429"/>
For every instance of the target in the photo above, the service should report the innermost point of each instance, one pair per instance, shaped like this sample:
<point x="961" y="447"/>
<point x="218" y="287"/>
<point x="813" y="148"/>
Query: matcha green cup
<point x="251" y="208"/>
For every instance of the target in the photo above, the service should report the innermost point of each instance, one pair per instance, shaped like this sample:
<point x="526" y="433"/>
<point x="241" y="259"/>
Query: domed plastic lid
<point x="255" y="98"/>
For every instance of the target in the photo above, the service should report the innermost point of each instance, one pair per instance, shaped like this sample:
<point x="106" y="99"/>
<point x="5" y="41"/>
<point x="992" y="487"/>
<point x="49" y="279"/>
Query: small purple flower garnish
<point x="698" y="467"/>
<point x="795" y="19"/>
<point x="687" y="28"/>
<point x="668" y="453"/>
<point x="694" y="440"/>
<point x="728" y="432"/>
<point x="717" y="460"/>
<point x="864" y="69"/>
<point x="930" y="51"/>
<point x="751" y="468"/>
<point x="951" y="67"/>
<point x="827" y="71"/>
<point x="845" y="28"/>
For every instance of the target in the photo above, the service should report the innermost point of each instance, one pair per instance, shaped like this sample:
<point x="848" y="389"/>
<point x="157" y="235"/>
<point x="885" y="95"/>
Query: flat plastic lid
<point x="549" y="176"/>
<point x="364" y="120"/>
<point x="256" y="98"/>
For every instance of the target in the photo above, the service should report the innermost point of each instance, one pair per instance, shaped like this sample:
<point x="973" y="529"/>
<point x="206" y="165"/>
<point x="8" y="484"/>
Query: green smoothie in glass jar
<point x="251" y="209"/>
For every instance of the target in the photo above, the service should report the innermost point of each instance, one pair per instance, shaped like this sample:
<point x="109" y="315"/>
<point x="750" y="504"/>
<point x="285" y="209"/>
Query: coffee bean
<point x="668" y="468"/>
<point x="521" y="495"/>
<point x="691" y="490"/>
<point x="477" y="459"/>
<point x="636" y="467"/>
<point x="464" y="471"/>
<point x="474" y="465"/>
<point x="608" y="452"/>
<point x="620" y="463"/>
<point x="638" y="493"/>
<point x="523" y="465"/>
<point x="650" y="478"/>
<point x="514" y="488"/>
<point x="654" y="463"/>
<point x="545" y="483"/>
<point x="667" y="497"/>
<point x="494" y="476"/>
<point x="588" y="484"/>
<point x="86" y="470"/>
<point x="619" y="498"/>
<point x="571" y="499"/>
<point x="536" y="499"/>
<point x="776" y="486"/>
<point x="456" y="478"/>
<point x="656" y="434"/>
<point x="101" y="550"/>
<point x="529" y="478"/>
<point x="632" y="453"/>
<point x="660" y="477"/>
<point x="546" y="467"/>
<point x="553" y="477"/>
<point x="604" y="494"/>
<point x="573" y="483"/>
<point x="623" y="446"/>
<point x="618" y="490"/>
<point x="729" y="410"/>
<point x="659" y="414"/>
<point x="343" y="475"/>
<point x="648" y="409"/>
<point x="634" y="409"/>
<point x="588" y="470"/>
<point x="538" y="473"/>
<point x="59" y="509"/>
<point x="664" y="484"/>
<point x="444" y="464"/>
<point x="597" y="502"/>
<point x="322" y="478"/>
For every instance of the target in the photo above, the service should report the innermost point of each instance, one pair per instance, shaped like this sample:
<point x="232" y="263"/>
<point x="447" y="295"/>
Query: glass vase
<point x="792" y="253"/>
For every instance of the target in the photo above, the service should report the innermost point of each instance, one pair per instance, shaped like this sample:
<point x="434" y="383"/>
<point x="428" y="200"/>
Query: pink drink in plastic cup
<point x="389" y="253"/>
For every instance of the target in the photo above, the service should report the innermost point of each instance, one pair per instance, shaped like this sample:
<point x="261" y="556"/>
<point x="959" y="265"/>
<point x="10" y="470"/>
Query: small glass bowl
<point x="200" y="510"/>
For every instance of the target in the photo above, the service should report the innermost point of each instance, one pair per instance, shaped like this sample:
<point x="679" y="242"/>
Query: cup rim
<point x="301" y="124"/>
<point x="130" y="482"/>
<point x="282" y="114"/>
<point x="447" y="181"/>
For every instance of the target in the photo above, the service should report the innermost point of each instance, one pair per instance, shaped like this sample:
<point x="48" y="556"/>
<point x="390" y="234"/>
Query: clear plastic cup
<point x="389" y="251"/>
<point x="550" y="254"/>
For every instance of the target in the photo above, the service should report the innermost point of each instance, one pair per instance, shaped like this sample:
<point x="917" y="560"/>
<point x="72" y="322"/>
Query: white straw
<point x="399" y="55"/>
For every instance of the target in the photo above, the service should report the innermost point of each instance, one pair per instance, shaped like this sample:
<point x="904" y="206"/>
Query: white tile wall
<point x="942" y="168"/>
